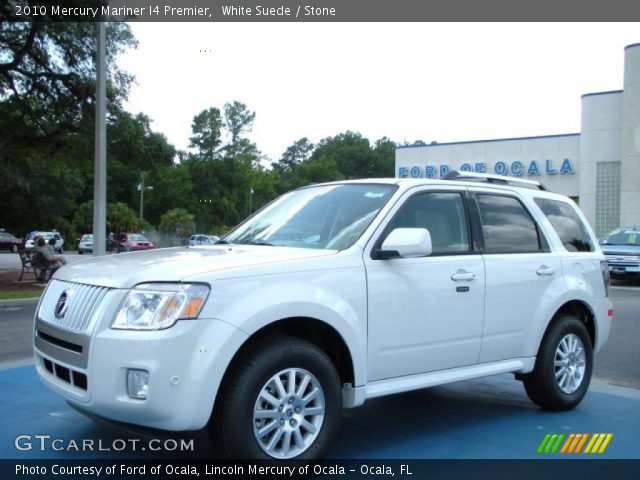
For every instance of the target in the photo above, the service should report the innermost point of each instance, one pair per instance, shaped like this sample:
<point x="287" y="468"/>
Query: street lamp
<point x="141" y="188"/>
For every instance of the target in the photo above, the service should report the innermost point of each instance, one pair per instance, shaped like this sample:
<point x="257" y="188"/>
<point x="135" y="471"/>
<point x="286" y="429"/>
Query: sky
<point x="407" y="81"/>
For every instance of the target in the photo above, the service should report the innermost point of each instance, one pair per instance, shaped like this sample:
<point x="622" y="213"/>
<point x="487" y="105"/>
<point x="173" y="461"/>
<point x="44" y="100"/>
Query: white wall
<point x="630" y="167"/>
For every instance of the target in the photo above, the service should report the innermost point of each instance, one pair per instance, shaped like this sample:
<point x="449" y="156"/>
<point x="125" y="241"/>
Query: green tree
<point x="120" y="218"/>
<point x="300" y="151"/>
<point x="238" y="120"/>
<point x="178" y="221"/>
<point x="48" y="66"/>
<point x="83" y="218"/>
<point x="47" y="89"/>
<point x="207" y="131"/>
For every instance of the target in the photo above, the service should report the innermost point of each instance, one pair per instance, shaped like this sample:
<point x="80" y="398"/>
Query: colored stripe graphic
<point x="591" y="442"/>
<point x="568" y="442"/>
<point x="573" y="443"/>
<point x="584" y="439"/>
<point x="543" y="443"/>
<point x="550" y="443"/>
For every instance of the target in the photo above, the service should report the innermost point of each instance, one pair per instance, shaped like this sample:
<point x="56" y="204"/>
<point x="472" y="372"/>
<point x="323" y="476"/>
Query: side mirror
<point x="406" y="243"/>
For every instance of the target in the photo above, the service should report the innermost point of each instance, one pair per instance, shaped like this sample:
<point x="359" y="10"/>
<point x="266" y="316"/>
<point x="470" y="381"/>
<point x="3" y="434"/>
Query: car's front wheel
<point x="282" y="401"/>
<point x="562" y="372"/>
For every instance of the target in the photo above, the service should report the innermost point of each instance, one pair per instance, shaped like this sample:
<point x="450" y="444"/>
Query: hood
<point x="622" y="250"/>
<point x="125" y="270"/>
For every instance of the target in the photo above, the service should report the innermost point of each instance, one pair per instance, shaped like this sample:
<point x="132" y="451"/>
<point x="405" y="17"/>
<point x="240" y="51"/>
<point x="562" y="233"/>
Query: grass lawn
<point x="20" y="294"/>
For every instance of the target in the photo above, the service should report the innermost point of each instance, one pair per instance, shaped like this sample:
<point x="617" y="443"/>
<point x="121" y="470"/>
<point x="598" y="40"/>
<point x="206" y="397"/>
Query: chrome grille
<point x="82" y="301"/>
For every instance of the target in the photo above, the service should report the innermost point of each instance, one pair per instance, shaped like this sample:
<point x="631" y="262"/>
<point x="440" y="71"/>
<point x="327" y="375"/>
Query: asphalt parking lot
<point x="490" y="418"/>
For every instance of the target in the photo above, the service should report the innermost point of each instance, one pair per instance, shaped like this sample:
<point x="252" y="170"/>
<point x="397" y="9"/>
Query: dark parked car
<point x="9" y="242"/>
<point x="129" y="242"/>
<point x="622" y="249"/>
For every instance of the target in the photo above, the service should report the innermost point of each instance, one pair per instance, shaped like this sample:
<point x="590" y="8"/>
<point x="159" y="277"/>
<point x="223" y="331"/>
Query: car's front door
<point x="426" y="314"/>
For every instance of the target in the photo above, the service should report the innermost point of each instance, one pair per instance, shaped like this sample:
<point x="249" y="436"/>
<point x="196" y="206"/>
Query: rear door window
<point x="507" y="227"/>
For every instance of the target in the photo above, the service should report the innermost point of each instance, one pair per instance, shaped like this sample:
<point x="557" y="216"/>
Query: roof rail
<point x="497" y="179"/>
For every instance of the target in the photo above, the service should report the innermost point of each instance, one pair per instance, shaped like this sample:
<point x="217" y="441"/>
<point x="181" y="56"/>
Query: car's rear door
<point x="522" y="274"/>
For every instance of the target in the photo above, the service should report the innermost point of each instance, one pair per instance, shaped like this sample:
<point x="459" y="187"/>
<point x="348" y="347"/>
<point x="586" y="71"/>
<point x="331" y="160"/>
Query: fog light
<point x="138" y="384"/>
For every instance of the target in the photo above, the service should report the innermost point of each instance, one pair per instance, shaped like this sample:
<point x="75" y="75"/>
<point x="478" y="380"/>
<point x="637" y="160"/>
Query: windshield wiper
<point x="263" y="243"/>
<point x="222" y="242"/>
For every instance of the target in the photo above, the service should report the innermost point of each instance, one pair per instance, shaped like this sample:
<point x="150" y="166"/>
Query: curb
<point x="19" y="302"/>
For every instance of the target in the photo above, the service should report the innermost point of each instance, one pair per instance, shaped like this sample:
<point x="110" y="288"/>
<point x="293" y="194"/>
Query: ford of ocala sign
<point x="515" y="169"/>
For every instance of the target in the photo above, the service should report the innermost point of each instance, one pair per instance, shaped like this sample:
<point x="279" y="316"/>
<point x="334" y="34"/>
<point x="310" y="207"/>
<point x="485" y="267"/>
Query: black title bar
<point x="321" y="10"/>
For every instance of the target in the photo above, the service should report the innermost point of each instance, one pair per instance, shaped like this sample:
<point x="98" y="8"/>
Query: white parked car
<point x="331" y="295"/>
<point x="58" y="247"/>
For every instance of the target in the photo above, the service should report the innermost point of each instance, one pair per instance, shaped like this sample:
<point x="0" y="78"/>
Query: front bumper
<point x="185" y="363"/>
<point x="623" y="264"/>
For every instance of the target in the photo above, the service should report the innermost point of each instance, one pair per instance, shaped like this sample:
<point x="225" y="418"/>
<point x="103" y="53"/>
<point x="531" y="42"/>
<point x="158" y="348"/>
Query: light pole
<point x="141" y="188"/>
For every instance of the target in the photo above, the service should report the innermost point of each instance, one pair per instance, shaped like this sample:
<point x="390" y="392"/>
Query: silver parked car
<point x="622" y="249"/>
<point x="202" y="239"/>
<point x="85" y="245"/>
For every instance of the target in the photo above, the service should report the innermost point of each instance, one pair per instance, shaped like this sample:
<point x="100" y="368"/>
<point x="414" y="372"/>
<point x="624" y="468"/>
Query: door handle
<point x="462" y="276"/>
<point x="544" y="270"/>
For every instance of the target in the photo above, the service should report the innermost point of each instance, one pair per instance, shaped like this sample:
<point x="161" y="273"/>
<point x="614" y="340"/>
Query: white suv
<point x="331" y="295"/>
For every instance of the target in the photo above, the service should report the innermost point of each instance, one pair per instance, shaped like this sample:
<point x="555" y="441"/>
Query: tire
<point x="563" y="368"/>
<point x="289" y="424"/>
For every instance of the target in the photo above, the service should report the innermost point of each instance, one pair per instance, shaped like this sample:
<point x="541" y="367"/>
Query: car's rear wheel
<point x="563" y="368"/>
<point x="282" y="401"/>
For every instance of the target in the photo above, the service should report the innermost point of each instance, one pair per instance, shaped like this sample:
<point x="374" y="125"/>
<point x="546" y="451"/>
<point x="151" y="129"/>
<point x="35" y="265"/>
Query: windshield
<point x="330" y="217"/>
<point x="622" y="237"/>
<point x="136" y="237"/>
<point x="86" y="238"/>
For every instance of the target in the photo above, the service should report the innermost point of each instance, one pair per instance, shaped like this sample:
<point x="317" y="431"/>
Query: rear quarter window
<point x="573" y="233"/>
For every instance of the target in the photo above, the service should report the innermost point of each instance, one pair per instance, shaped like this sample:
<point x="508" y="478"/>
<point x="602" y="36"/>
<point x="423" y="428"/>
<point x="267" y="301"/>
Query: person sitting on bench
<point x="48" y="255"/>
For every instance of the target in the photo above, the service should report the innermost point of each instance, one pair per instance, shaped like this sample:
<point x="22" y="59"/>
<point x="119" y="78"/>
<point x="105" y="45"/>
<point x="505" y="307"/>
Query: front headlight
<point x="154" y="306"/>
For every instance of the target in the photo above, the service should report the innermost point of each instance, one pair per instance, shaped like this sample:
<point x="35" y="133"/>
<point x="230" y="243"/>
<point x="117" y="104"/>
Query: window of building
<point x="567" y="224"/>
<point x="443" y="214"/>
<point x="507" y="227"/>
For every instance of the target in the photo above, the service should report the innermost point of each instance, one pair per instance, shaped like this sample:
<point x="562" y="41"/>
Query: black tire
<point x="545" y="386"/>
<point x="234" y="425"/>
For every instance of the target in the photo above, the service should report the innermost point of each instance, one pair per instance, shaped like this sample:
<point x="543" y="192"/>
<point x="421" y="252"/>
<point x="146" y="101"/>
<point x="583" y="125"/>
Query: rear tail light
<point x="606" y="277"/>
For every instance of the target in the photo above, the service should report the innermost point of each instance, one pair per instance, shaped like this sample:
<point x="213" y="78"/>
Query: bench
<point x="27" y="265"/>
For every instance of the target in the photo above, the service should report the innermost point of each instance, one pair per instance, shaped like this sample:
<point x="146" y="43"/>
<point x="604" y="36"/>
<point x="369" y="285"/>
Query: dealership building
<point x="599" y="167"/>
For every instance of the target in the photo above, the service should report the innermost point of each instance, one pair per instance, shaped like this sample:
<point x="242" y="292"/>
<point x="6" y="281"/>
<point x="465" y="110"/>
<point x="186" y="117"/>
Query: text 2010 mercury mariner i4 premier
<point x="330" y="295"/>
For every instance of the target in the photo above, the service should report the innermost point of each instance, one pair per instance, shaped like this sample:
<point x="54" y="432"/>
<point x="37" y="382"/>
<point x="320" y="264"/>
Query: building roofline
<point x="633" y="45"/>
<point x="609" y="92"/>
<point x="488" y="140"/>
